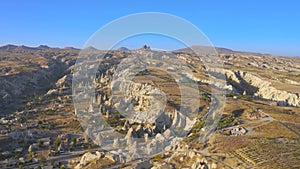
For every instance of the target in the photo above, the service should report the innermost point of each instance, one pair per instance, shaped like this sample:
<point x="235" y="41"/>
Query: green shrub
<point x="40" y="143"/>
<point x="56" y="143"/>
<point x="158" y="157"/>
<point x="229" y="95"/>
<point x="228" y="121"/>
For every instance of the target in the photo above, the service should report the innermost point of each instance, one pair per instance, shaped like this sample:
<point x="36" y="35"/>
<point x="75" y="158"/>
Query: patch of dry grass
<point x="273" y="130"/>
<point x="224" y="144"/>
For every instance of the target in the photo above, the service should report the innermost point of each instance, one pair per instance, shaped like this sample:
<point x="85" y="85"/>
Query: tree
<point x="89" y="148"/>
<point x="74" y="141"/>
<point x="62" y="167"/>
<point x="56" y="143"/>
<point x="39" y="143"/>
<point x="158" y="157"/>
<point x="30" y="156"/>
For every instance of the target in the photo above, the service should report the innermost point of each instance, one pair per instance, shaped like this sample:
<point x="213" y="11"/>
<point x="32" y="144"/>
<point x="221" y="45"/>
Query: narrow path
<point x="285" y="125"/>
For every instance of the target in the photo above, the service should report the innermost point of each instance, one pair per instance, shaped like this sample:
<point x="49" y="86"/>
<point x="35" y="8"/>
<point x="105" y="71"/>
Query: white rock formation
<point x="261" y="88"/>
<point x="87" y="158"/>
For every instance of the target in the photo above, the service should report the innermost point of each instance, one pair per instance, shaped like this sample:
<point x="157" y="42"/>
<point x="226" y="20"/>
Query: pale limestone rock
<point x="253" y="84"/>
<point x="86" y="159"/>
<point x="116" y="143"/>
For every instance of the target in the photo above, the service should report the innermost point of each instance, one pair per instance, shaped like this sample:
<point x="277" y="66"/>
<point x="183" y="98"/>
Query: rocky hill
<point x="27" y="72"/>
<point x="41" y="125"/>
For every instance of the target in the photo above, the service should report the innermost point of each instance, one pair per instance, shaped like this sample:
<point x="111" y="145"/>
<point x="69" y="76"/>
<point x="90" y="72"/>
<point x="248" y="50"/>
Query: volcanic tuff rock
<point x="256" y="86"/>
<point x="27" y="71"/>
<point x="87" y="158"/>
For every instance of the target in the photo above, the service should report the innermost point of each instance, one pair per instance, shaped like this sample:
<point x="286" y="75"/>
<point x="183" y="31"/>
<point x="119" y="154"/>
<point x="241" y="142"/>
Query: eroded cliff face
<point x="16" y="87"/>
<point x="26" y="72"/>
<point x="254" y="85"/>
<point x="33" y="72"/>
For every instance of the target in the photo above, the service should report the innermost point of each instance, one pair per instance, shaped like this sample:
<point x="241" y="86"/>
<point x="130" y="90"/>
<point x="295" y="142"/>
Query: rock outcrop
<point x="87" y="158"/>
<point x="256" y="86"/>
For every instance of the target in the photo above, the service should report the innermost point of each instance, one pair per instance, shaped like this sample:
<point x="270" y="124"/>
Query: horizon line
<point x="76" y="48"/>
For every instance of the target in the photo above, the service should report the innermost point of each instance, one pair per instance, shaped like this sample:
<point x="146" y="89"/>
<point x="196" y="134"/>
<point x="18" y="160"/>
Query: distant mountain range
<point x="220" y="50"/>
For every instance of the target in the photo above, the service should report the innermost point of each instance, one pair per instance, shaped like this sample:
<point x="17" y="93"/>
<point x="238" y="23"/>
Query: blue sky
<point x="258" y="26"/>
